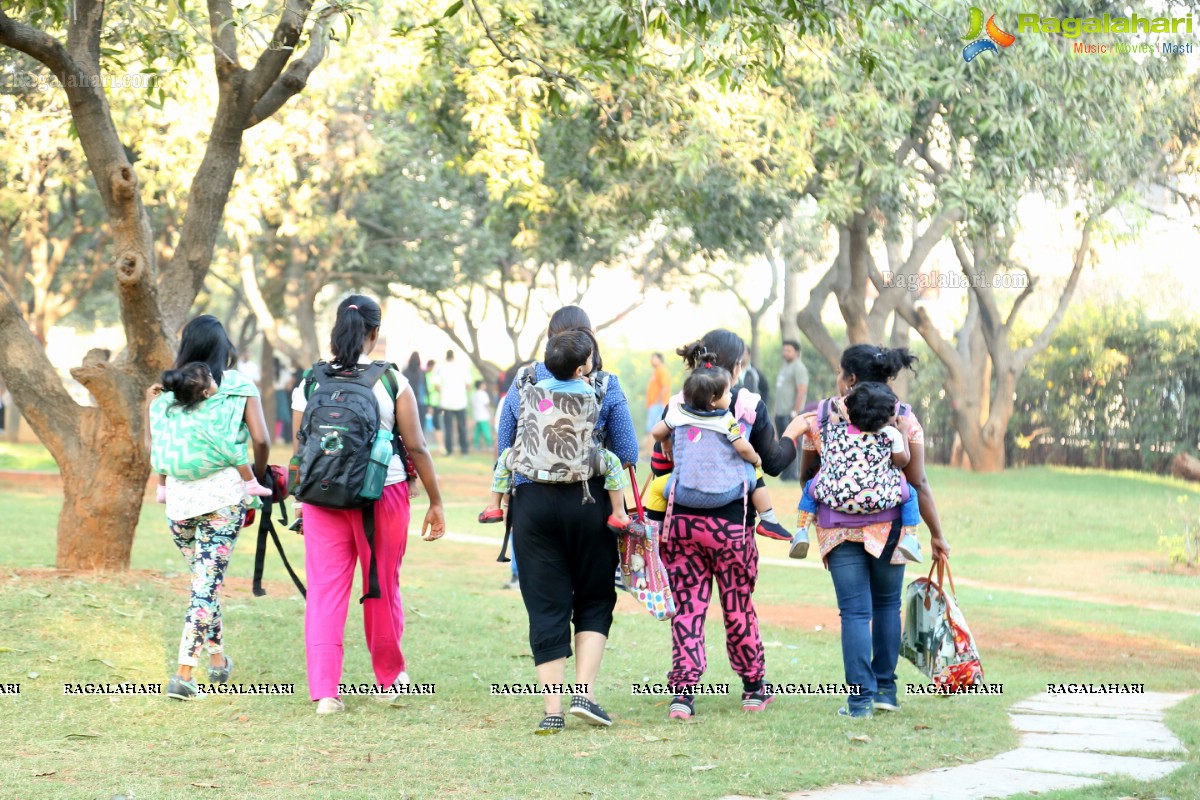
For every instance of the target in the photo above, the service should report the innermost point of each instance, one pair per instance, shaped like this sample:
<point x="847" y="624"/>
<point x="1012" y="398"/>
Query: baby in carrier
<point x="861" y="465"/>
<point x="707" y="397"/>
<point x="569" y="358"/>
<point x="211" y="449"/>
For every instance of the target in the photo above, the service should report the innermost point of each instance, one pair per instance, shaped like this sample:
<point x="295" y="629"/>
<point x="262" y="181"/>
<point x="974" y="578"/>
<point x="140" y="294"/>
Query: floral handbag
<point x="936" y="638"/>
<point x="642" y="569"/>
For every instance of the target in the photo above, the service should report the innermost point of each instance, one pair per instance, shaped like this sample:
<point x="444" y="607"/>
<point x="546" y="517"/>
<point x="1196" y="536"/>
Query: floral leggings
<point x="207" y="543"/>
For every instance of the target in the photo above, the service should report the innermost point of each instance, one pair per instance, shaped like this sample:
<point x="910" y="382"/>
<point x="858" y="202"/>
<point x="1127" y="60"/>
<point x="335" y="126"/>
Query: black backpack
<point x="336" y="433"/>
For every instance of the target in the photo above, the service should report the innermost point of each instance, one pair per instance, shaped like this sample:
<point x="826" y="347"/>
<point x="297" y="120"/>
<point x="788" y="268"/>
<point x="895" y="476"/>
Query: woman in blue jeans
<point x="867" y="572"/>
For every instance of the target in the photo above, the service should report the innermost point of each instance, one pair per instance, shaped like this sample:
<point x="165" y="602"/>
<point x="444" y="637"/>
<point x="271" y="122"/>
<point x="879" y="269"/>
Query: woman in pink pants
<point x="335" y="540"/>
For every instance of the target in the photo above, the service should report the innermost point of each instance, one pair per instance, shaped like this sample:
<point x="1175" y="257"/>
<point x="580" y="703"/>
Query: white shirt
<point x="454" y="379"/>
<point x="387" y="415"/>
<point x="189" y="499"/>
<point x="481" y="406"/>
<point x="250" y="370"/>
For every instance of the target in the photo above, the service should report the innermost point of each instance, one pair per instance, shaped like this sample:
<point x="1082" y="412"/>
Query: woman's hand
<point x="939" y="546"/>
<point x="799" y="425"/>
<point x="434" y="526"/>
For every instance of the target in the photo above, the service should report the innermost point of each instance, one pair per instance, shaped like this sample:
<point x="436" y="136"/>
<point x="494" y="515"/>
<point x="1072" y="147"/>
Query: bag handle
<point x="637" y="495"/>
<point x="942" y="567"/>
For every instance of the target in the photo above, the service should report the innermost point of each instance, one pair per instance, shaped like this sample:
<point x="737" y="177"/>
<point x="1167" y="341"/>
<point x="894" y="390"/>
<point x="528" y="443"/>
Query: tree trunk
<point x="267" y="369"/>
<point x="791" y="304"/>
<point x="103" y="486"/>
<point x="755" y="325"/>
<point x="900" y="329"/>
<point x="12" y="421"/>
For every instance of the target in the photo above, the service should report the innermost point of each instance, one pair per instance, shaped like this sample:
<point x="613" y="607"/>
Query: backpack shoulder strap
<point x="309" y="381"/>
<point x="600" y="384"/>
<point x="389" y="379"/>
<point x="371" y="375"/>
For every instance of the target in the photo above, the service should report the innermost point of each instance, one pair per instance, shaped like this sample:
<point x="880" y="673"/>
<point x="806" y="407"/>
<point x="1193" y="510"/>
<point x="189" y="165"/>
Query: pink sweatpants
<point x="334" y="543"/>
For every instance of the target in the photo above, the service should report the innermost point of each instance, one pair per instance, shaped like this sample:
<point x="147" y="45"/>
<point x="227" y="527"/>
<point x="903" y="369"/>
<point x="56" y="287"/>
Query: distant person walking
<point x="791" y="392"/>
<point x="433" y="396"/>
<point x="283" y="402"/>
<point x="416" y="379"/>
<point x="455" y="385"/>
<point x="658" y="394"/>
<point x="481" y="412"/>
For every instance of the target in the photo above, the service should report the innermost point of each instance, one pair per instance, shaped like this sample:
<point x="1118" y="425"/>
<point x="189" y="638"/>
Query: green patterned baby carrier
<point x="556" y="439"/>
<point x="192" y="443"/>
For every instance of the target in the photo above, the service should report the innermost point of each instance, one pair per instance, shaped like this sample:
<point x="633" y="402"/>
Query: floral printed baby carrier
<point x="856" y="474"/>
<point x="642" y="570"/>
<point x="936" y="638"/>
<point x="556" y="439"/>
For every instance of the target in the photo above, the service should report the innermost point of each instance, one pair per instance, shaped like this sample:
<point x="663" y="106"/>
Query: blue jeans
<point x="868" y="596"/>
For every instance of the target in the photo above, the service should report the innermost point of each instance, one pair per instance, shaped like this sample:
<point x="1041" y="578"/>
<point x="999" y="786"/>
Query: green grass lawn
<point x="1092" y="535"/>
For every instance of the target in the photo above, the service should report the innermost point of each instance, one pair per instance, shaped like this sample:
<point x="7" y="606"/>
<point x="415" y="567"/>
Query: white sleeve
<point x="299" y="401"/>
<point x="896" y="437"/>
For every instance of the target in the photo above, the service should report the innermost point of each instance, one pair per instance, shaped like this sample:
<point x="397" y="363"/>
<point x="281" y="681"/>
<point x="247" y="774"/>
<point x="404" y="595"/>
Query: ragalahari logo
<point x="982" y="44"/>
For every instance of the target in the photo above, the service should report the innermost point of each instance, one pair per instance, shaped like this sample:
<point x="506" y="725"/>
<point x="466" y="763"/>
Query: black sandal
<point x="550" y="724"/>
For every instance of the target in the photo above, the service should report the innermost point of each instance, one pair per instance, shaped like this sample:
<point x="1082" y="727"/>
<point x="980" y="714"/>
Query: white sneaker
<point x="910" y="548"/>
<point x="330" y="705"/>
<point x="392" y="694"/>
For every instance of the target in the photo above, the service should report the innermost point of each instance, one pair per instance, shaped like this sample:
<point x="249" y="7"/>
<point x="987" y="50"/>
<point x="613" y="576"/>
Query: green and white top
<point x="199" y="449"/>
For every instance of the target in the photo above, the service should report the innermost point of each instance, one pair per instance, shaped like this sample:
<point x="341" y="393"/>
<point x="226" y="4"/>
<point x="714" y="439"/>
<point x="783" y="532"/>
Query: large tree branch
<point x="34" y="383"/>
<point x="224" y="36"/>
<point x="1064" y="299"/>
<point x="38" y="44"/>
<point x="258" y="304"/>
<point x="919" y="319"/>
<point x="809" y="318"/>
<point x="279" y="51"/>
<point x="852" y="296"/>
<point x="295" y="77"/>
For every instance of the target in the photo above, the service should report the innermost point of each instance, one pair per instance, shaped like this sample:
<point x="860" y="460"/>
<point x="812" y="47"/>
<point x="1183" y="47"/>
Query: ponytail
<point x="718" y="348"/>
<point x="188" y="383"/>
<point x="866" y="362"/>
<point x="357" y="316"/>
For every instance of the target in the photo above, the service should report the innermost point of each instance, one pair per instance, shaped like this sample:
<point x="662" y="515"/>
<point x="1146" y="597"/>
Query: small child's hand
<point x="153" y="391"/>
<point x="903" y="424"/>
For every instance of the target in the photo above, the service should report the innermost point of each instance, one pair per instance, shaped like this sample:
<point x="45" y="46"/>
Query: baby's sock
<point x="768" y="515"/>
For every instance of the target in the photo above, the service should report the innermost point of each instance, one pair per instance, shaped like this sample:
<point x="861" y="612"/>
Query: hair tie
<point x="879" y="354"/>
<point x="708" y="365"/>
<point x="352" y="306"/>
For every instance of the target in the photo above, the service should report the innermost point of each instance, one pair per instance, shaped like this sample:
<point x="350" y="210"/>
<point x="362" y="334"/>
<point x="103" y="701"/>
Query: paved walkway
<point x="1067" y="742"/>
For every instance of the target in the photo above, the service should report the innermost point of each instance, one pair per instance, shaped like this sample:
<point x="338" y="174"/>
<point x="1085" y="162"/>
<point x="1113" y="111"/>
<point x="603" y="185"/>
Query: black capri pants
<point x="568" y="558"/>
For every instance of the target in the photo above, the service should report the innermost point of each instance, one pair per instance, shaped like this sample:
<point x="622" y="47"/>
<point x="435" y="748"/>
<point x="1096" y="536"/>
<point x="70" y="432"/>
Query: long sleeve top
<point x="614" y="424"/>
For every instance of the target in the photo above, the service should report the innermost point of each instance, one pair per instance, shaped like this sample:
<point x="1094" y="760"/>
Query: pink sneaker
<point x="256" y="489"/>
